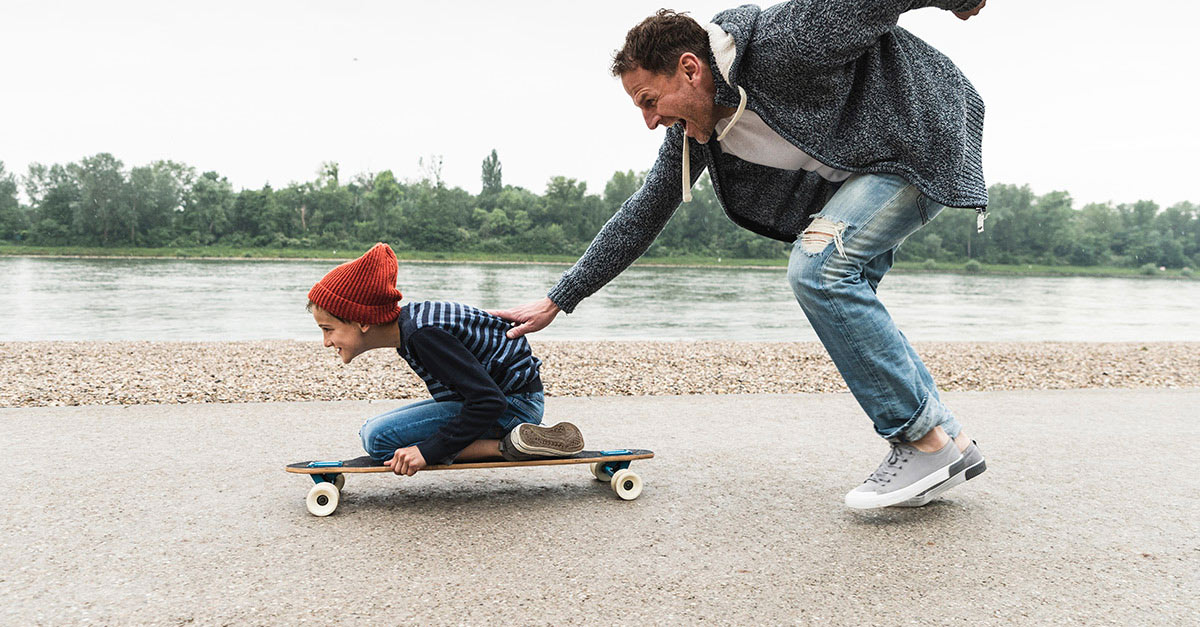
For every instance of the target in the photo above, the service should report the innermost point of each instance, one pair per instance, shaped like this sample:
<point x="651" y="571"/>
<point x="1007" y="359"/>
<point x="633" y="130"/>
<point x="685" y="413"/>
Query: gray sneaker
<point x="904" y="474"/>
<point x="964" y="469"/>
<point x="530" y="441"/>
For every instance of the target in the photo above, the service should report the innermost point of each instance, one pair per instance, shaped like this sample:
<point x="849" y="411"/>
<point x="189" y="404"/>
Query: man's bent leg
<point x="834" y="268"/>
<point x="873" y="272"/>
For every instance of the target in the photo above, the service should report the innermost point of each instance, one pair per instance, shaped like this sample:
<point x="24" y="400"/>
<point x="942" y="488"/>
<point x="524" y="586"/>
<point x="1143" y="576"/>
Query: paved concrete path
<point x="178" y="514"/>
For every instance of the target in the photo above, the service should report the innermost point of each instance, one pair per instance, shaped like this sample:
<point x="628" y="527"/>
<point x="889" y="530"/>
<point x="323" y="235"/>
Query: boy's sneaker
<point x="905" y="473"/>
<point x="964" y="469"/>
<point x="530" y="441"/>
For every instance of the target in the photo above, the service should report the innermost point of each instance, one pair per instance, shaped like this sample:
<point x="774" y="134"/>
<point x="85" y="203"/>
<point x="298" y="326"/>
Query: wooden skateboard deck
<point x="611" y="466"/>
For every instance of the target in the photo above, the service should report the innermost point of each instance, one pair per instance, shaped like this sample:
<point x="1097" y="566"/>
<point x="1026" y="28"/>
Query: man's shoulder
<point x="738" y="17"/>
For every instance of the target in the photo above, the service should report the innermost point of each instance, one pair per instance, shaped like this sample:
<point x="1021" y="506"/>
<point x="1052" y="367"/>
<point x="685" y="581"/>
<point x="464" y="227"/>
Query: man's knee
<point x="809" y="271"/>
<point x="822" y="232"/>
<point x="804" y="276"/>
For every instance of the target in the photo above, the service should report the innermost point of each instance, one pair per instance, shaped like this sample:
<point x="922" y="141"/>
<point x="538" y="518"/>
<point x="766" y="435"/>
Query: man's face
<point x="686" y="95"/>
<point x="346" y="337"/>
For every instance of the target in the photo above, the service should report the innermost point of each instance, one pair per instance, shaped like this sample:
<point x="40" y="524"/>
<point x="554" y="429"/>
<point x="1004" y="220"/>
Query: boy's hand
<point x="529" y="318"/>
<point x="406" y="461"/>
<point x="966" y="15"/>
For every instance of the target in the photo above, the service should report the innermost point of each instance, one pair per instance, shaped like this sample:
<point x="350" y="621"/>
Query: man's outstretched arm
<point x="626" y="235"/>
<point x="834" y="32"/>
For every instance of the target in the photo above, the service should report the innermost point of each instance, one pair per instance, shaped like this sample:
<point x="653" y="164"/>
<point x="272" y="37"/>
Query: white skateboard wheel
<point x="339" y="480"/>
<point x="598" y="471"/>
<point x="626" y="484"/>
<point x="322" y="499"/>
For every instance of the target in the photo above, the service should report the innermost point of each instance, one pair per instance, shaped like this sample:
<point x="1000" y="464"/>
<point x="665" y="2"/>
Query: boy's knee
<point x="368" y="436"/>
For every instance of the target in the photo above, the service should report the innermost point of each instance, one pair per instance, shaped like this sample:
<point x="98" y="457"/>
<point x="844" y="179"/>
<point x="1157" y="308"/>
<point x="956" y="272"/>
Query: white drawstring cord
<point x="687" y="165"/>
<point x="687" y="168"/>
<point x="737" y="115"/>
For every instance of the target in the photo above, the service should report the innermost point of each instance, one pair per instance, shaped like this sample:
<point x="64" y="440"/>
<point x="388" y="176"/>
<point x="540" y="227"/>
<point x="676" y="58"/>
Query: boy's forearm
<point x="482" y="408"/>
<point x="445" y="445"/>
<point x="448" y="361"/>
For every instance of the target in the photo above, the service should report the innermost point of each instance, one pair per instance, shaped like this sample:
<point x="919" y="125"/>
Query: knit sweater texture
<point x="840" y="81"/>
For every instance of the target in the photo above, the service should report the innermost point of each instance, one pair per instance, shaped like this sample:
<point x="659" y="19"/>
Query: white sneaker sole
<point x="873" y="500"/>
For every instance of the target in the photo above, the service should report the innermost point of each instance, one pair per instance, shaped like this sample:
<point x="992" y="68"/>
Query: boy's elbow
<point x="494" y="404"/>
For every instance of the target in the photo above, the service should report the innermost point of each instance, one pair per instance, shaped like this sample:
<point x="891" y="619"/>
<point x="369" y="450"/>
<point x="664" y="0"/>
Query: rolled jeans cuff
<point x="932" y="413"/>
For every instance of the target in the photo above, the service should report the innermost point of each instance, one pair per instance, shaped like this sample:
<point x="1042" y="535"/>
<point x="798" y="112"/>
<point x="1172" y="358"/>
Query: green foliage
<point x="1148" y="269"/>
<point x="1026" y="229"/>
<point x="98" y="202"/>
<point x="100" y="211"/>
<point x="13" y="222"/>
<point x="492" y="176"/>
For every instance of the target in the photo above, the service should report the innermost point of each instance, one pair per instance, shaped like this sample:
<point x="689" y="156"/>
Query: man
<point x="822" y="123"/>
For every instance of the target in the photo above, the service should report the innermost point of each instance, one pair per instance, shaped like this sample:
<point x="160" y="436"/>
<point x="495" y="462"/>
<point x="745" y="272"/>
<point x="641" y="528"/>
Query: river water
<point x="204" y="300"/>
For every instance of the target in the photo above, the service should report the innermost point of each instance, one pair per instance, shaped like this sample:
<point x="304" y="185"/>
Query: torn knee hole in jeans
<point x="819" y="233"/>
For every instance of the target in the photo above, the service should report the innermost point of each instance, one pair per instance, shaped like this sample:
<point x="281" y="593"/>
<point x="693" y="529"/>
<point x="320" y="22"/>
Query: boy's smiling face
<point x="349" y="338"/>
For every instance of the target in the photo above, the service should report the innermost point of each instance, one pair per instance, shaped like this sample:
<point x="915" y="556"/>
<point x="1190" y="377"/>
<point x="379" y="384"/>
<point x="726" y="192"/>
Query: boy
<point x="487" y="390"/>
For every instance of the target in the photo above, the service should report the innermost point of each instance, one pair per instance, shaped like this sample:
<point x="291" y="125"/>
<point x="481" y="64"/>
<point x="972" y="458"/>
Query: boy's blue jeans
<point x="835" y="278"/>
<point x="412" y="424"/>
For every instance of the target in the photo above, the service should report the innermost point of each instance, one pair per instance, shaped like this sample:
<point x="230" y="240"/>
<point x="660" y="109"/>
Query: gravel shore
<point x="136" y="373"/>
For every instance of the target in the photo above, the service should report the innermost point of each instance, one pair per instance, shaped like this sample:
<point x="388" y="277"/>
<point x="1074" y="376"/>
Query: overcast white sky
<point x="1098" y="98"/>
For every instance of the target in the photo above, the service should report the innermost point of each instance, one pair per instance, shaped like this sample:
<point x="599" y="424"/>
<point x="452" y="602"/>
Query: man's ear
<point x="363" y="328"/>
<point x="689" y="64"/>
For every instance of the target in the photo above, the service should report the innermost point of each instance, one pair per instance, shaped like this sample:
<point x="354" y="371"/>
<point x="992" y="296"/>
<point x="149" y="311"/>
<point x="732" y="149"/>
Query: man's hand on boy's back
<point x="406" y="461"/>
<point x="529" y="318"/>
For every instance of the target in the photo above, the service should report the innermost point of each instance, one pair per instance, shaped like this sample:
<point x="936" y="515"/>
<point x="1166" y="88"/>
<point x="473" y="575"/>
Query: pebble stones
<point x="134" y="373"/>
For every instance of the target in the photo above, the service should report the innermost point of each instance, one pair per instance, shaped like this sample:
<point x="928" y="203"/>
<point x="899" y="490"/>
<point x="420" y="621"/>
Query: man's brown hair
<point x="657" y="42"/>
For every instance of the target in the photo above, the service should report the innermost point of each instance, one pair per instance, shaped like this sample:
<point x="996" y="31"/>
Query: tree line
<point x="97" y="201"/>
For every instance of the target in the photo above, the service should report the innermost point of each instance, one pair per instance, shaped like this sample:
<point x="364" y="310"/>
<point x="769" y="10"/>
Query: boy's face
<point x="347" y="337"/>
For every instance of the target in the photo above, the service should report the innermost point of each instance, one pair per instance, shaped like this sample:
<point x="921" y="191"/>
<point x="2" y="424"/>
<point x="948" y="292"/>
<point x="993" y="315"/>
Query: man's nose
<point x="652" y="119"/>
<point x="328" y="342"/>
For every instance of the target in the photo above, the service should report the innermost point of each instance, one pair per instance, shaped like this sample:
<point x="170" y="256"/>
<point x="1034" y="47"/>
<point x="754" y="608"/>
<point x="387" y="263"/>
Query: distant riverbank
<point x="225" y="253"/>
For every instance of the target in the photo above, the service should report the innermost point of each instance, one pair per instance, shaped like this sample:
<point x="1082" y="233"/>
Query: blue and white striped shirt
<point x="510" y="363"/>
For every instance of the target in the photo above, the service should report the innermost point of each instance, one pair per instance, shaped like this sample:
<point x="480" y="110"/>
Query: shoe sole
<point x="867" y="500"/>
<point x="563" y="438"/>
<point x="956" y="479"/>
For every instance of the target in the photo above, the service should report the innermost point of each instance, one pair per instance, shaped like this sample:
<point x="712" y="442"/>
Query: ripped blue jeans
<point x="835" y="269"/>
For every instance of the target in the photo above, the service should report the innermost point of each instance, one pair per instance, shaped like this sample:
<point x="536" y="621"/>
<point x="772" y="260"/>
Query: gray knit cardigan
<point x="842" y="82"/>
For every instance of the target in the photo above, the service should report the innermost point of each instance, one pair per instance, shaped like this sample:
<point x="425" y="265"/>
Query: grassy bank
<point x="223" y="252"/>
<point x="960" y="267"/>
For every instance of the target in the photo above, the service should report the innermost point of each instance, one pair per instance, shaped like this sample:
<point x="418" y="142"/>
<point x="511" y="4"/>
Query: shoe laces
<point x="891" y="466"/>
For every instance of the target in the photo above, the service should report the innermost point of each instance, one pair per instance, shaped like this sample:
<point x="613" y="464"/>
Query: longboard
<point x="611" y="466"/>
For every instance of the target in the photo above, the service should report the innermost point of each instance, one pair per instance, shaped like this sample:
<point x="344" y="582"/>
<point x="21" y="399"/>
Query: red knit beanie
<point x="363" y="290"/>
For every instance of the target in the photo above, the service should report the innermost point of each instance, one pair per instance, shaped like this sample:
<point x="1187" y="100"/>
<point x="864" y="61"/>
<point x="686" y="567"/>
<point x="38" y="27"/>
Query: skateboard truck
<point x="335" y="478"/>
<point x="604" y="471"/>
